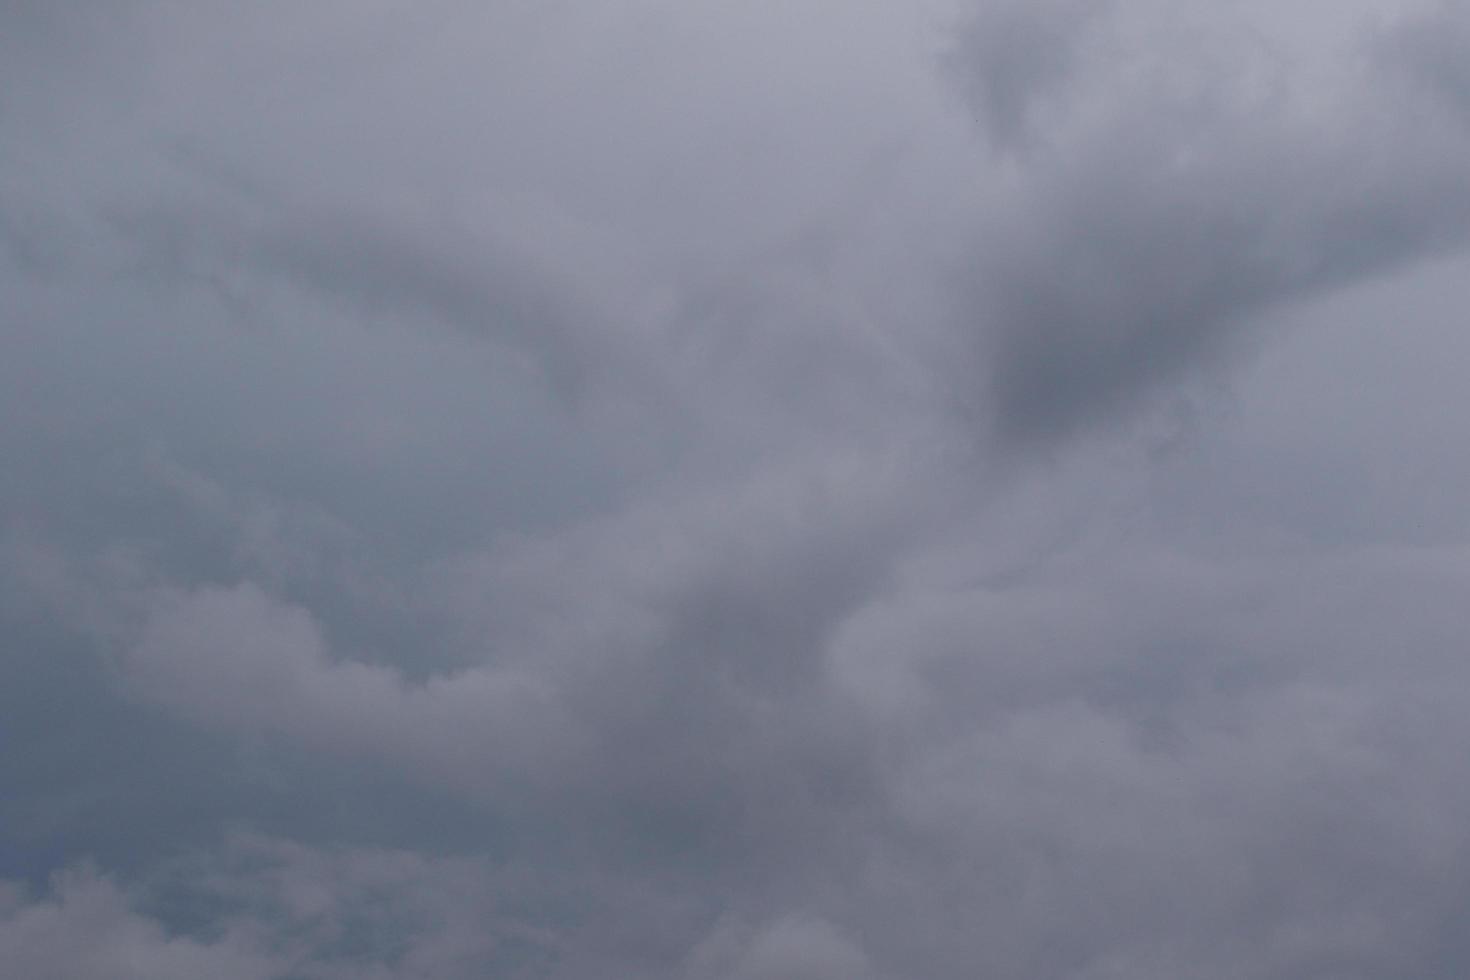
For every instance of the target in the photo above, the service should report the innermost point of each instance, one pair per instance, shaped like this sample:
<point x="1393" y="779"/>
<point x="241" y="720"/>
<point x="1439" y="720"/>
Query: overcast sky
<point x="713" y="490"/>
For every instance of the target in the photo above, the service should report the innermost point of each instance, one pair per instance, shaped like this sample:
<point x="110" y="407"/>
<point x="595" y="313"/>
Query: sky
<point x="776" y="490"/>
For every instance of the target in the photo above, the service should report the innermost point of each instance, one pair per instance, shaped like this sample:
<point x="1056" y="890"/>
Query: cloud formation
<point x="817" y="489"/>
<point x="1188" y="180"/>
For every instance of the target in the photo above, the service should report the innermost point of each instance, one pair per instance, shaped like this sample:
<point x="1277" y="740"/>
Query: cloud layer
<point x="782" y="490"/>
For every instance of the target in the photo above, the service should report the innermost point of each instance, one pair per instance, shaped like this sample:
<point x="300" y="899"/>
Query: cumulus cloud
<point x="279" y="909"/>
<point x="236" y="658"/>
<point x="793" y="489"/>
<point x="87" y="928"/>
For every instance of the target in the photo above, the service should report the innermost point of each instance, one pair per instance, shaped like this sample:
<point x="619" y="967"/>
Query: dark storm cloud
<point x="1177" y="189"/>
<point x="504" y="491"/>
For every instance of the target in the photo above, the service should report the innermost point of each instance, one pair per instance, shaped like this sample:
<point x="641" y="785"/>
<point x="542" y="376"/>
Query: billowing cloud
<point x="780" y="490"/>
<point x="87" y="928"/>
<point x="1187" y="177"/>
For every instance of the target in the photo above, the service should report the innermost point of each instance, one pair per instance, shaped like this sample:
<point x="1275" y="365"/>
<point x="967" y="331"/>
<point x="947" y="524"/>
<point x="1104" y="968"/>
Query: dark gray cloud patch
<point x="1011" y="58"/>
<point x="1149" y="229"/>
<point x="1432" y="47"/>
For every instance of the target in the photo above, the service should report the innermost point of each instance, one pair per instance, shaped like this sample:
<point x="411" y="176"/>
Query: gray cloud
<point x="533" y="490"/>
<point x="87" y="929"/>
<point x="1012" y="59"/>
<point x="1430" y="46"/>
<point x="1186" y="184"/>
